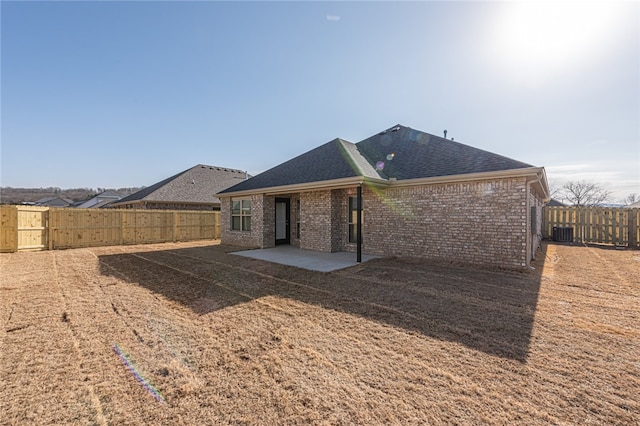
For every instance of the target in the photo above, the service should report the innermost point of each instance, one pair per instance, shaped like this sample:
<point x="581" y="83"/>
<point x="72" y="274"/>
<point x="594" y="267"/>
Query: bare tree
<point x="581" y="193"/>
<point x="554" y="189"/>
<point x="631" y="198"/>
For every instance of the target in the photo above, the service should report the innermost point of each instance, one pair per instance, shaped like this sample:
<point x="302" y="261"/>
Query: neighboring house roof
<point x="635" y="205"/>
<point x="555" y="203"/>
<point x="103" y="203"/>
<point x="110" y="193"/>
<point x="101" y="200"/>
<point x="398" y="153"/>
<point x="196" y="185"/>
<point x="54" y="202"/>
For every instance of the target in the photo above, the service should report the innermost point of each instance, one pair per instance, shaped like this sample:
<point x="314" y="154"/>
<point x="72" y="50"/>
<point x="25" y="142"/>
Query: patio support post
<point x="359" y="225"/>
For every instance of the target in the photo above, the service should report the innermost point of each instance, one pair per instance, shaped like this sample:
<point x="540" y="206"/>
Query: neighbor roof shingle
<point x="195" y="185"/>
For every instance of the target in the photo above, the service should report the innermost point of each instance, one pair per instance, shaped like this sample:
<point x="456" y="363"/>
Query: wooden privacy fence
<point x="597" y="225"/>
<point x="41" y="228"/>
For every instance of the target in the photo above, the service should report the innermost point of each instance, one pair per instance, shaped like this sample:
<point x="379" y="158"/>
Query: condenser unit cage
<point x="563" y="234"/>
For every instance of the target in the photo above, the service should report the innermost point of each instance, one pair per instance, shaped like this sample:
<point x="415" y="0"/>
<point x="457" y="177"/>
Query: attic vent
<point x="384" y="132"/>
<point x="395" y="129"/>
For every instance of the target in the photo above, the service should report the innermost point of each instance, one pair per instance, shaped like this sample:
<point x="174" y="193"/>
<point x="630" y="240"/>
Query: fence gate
<point x="32" y="224"/>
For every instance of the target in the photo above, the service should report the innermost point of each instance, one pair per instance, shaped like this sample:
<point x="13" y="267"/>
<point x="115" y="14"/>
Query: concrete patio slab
<point x="307" y="259"/>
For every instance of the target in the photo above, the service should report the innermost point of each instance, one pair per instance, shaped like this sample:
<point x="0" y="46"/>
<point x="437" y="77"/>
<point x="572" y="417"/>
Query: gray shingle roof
<point x="195" y="185"/>
<point x="54" y="202"/>
<point x="109" y="193"/>
<point x="333" y="160"/>
<point x="554" y="203"/>
<point x="399" y="152"/>
<point x="412" y="154"/>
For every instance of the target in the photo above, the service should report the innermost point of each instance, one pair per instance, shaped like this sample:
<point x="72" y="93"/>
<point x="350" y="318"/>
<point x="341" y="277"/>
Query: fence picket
<point x="595" y="225"/>
<point x="75" y="228"/>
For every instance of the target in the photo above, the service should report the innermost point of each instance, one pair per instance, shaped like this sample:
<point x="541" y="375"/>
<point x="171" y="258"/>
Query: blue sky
<point x="115" y="94"/>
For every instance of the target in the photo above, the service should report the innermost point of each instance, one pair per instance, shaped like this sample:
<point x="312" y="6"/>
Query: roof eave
<point x="543" y="185"/>
<point x="308" y="186"/>
<point x="532" y="174"/>
<point x="527" y="172"/>
<point x="213" y="203"/>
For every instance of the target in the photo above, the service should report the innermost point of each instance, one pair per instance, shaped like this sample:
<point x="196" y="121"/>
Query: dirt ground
<point x="189" y="334"/>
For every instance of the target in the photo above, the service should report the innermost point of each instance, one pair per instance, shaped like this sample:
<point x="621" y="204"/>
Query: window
<point x="298" y="219"/>
<point x="241" y="215"/>
<point x="353" y="219"/>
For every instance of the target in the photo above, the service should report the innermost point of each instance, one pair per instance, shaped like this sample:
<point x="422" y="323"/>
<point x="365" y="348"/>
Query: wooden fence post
<point x="175" y="226"/>
<point x="49" y="226"/>
<point x="121" y="238"/>
<point x="633" y="228"/>
<point x="216" y="226"/>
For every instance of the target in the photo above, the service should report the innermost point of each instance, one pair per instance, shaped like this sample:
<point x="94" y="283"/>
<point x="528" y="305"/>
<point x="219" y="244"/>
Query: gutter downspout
<point x="359" y="224"/>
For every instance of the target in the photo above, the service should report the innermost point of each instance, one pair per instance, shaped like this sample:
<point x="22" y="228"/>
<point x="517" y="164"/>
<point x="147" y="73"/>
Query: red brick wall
<point x="260" y="208"/>
<point x="316" y="220"/>
<point x="476" y="222"/>
<point x="483" y="222"/>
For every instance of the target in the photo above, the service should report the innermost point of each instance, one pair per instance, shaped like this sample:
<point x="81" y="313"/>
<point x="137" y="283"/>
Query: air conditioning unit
<point x="563" y="234"/>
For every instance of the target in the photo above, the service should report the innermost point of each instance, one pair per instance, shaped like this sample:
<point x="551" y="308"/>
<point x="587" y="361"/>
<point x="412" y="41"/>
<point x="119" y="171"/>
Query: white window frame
<point x="243" y="214"/>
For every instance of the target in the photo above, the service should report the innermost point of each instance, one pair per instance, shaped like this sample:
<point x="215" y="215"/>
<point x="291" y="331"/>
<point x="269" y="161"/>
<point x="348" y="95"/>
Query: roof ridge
<point x="229" y="169"/>
<point x="358" y="161"/>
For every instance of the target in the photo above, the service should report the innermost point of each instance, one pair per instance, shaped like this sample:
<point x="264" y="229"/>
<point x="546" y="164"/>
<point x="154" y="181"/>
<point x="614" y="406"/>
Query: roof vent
<point x="384" y="132"/>
<point x="395" y="129"/>
<point x="445" y="134"/>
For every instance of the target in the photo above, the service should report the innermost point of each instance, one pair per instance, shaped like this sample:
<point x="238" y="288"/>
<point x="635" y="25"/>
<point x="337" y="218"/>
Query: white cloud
<point x="566" y="168"/>
<point x="333" y="17"/>
<point x="621" y="177"/>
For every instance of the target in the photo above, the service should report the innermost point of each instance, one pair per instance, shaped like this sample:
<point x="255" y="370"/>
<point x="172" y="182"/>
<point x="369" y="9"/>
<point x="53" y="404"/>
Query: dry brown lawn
<point x="230" y="340"/>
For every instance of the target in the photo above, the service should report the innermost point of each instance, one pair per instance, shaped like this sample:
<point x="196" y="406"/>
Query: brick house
<point x="420" y="195"/>
<point x="191" y="189"/>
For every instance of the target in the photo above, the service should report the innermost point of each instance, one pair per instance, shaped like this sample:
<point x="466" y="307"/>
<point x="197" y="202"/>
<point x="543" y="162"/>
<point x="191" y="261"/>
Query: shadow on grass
<point x="489" y="311"/>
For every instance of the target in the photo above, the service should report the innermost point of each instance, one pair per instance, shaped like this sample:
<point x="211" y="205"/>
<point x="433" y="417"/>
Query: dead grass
<point x="226" y="339"/>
